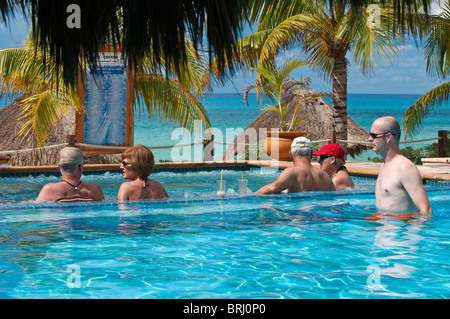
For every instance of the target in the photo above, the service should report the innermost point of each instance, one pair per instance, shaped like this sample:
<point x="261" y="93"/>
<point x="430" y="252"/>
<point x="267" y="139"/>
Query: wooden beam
<point x="129" y="128"/>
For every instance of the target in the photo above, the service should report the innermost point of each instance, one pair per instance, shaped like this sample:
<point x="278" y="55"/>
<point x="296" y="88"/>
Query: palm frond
<point x="41" y="115"/>
<point x="369" y="43"/>
<point x="416" y="114"/>
<point x="437" y="48"/>
<point x="168" y="99"/>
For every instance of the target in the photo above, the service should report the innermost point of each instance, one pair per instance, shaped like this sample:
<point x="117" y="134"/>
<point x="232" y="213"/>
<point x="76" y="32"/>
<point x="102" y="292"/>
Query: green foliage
<point x="375" y="159"/>
<point x="416" y="154"/>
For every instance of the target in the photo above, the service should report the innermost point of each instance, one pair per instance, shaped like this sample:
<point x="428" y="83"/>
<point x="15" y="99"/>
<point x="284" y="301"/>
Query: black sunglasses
<point x="377" y="135"/>
<point x="124" y="164"/>
<point x="323" y="157"/>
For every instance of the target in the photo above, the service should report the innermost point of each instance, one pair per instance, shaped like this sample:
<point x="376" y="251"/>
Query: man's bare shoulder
<point x="49" y="192"/>
<point x="298" y="169"/>
<point x="402" y="166"/>
<point x="93" y="185"/>
<point x="52" y="188"/>
<point x="402" y="161"/>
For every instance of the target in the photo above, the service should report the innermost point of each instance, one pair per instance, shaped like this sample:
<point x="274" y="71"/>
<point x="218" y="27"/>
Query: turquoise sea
<point x="227" y="111"/>
<point x="229" y="115"/>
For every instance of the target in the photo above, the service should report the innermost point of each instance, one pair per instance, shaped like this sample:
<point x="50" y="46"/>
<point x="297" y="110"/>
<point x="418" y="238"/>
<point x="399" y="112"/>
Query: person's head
<point x="70" y="159"/>
<point x="301" y="147"/>
<point x="138" y="160"/>
<point x="331" y="157"/>
<point x="385" y="133"/>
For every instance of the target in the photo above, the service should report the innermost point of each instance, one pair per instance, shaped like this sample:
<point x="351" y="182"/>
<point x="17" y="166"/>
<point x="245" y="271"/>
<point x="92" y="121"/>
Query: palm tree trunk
<point x="340" y="99"/>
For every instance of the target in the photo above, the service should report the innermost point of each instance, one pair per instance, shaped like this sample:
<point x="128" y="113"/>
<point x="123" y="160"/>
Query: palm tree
<point x="158" y="24"/>
<point x="275" y="84"/>
<point x="326" y="34"/>
<point x="50" y="97"/>
<point x="437" y="52"/>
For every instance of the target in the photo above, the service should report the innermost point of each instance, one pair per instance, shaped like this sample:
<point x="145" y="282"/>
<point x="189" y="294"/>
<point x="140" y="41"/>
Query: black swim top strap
<point x="144" y="182"/>
<point x="340" y="169"/>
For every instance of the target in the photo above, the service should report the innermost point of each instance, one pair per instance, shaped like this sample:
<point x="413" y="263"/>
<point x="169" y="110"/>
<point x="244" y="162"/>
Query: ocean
<point x="229" y="116"/>
<point x="228" y="111"/>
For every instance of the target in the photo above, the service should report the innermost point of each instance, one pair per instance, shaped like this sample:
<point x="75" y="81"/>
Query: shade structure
<point x="318" y="126"/>
<point x="10" y="125"/>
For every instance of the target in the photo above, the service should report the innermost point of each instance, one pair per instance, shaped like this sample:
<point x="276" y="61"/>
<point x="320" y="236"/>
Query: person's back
<point x="72" y="188"/>
<point x="135" y="191"/>
<point x="309" y="179"/>
<point x="63" y="192"/>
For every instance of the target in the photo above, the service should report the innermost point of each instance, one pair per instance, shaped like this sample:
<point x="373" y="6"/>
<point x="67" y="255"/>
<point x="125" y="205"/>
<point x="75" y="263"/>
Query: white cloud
<point x="436" y="8"/>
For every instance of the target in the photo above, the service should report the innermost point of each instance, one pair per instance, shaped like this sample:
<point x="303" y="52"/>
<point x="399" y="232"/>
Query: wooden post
<point x="70" y="139"/>
<point x="131" y="76"/>
<point x="332" y="137"/>
<point x="208" y="148"/>
<point x="442" y="143"/>
<point x="79" y="116"/>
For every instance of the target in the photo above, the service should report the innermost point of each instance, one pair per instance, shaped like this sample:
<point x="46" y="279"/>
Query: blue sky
<point x="407" y="75"/>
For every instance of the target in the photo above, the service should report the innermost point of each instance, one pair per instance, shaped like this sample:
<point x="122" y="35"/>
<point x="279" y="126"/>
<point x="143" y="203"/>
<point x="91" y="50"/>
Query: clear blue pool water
<point x="305" y="245"/>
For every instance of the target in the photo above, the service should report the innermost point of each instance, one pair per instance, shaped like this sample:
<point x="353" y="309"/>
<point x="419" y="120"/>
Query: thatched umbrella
<point x="318" y="126"/>
<point x="10" y="125"/>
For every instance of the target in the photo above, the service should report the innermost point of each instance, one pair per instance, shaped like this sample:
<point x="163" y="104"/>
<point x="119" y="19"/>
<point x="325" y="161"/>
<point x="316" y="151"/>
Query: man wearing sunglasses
<point x="399" y="185"/>
<point x="302" y="176"/>
<point x="332" y="160"/>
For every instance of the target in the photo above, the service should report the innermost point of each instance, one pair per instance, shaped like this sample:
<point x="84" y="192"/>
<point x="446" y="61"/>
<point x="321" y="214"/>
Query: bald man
<point x="399" y="185"/>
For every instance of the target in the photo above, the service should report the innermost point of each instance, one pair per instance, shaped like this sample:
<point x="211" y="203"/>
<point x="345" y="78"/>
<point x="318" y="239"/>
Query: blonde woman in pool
<point x="137" y="164"/>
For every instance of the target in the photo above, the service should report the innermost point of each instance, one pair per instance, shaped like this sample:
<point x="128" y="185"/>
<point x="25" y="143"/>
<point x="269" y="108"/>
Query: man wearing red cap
<point x="332" y="160"/>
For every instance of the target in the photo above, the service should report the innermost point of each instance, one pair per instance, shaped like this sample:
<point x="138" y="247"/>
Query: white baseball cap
<point x="71" y="156"/>
<point x="300" y="142"/>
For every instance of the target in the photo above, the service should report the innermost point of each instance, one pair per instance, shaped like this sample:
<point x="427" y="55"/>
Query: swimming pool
<point x="304" y="245"/>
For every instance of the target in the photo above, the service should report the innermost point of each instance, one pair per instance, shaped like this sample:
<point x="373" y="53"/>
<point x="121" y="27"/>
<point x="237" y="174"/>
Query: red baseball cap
<point x="332" y="149"/>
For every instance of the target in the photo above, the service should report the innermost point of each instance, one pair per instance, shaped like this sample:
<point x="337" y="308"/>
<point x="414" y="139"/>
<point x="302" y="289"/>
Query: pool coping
<point x="365" y="169"/>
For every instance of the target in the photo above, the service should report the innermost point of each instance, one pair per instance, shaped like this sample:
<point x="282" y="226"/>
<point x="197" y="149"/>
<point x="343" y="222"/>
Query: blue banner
<point x="106" y="102"/>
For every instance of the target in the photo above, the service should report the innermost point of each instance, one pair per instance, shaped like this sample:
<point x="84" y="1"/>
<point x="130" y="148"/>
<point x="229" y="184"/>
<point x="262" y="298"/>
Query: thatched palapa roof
<point x="10" y="125"/>
<point x="318" y="126"/>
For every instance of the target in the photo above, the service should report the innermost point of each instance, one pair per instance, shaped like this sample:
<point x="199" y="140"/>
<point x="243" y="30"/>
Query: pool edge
<point x="366" y="169"/>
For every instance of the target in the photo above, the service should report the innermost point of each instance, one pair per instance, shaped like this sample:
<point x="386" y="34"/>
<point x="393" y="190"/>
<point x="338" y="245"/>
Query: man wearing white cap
<point x="302" y="176"/>
<point x="72" y="188"/>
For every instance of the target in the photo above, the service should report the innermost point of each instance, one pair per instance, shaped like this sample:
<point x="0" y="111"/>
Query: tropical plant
<point x="49" y="97"/>
<point x="326" y="33"/>
<point x="275" y="84"/>
<point x="157" y="24"/>
<point x="437" y="53"/>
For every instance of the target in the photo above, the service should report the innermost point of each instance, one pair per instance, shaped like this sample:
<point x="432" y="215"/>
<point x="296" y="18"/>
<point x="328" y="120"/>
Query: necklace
<point x="74" y="187"/>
